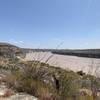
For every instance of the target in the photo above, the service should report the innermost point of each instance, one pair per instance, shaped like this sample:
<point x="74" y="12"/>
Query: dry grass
<point x="31" y="80"/>
<point x="45" y="82"/>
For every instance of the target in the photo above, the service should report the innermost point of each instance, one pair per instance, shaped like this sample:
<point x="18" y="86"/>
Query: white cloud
<point x="21" y="42"/>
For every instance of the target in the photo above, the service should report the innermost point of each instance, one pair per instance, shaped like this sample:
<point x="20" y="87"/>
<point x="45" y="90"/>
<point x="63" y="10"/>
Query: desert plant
<point x="43" y="81"/>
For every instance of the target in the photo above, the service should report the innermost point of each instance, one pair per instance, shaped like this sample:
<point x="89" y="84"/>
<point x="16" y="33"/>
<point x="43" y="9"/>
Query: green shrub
<point x="59" y="84"/>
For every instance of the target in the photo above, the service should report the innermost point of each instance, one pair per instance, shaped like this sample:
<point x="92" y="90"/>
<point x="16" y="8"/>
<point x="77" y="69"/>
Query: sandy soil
<point x="87" y="65"/>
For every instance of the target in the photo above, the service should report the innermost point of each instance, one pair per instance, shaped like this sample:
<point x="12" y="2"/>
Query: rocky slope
<point x="29" y="79"/>
<point x="7" y="93"/>
<point x="9" y="50"/>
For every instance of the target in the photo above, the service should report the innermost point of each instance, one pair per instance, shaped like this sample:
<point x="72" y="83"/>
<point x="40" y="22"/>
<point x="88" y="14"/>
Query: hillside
<point x="7" y="49"/>
<point x="26" y="79"/>
<point x="21" y="79"/>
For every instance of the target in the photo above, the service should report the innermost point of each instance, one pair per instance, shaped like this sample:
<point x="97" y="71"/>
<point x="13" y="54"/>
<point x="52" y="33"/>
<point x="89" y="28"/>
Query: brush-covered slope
<point x="7" y="49"/>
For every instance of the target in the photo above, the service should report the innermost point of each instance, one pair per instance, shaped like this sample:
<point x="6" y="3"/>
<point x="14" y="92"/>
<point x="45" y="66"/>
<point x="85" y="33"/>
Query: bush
<point x="30" y="80"/>
<point x="46" y="82"/>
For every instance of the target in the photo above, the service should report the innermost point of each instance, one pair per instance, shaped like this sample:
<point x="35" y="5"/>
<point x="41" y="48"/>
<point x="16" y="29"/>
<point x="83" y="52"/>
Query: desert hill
<point x="37" y="80"/>
<point x="7" y="49"/>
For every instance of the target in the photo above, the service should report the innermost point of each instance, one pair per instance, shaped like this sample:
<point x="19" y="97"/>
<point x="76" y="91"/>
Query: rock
<point x="2" y="90"/>
<point x="21" y="97"/>
<point x="87" y="91"/>
<point x="9" y="94"/>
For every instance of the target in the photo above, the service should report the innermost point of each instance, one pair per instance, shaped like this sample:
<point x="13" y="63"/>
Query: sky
<point x="74" y="24"/>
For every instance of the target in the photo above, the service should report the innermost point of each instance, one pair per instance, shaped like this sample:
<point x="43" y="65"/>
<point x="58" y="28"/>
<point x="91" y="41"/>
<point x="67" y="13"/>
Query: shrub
<point x="30" y="80"/>
<point x="46" y="82"/>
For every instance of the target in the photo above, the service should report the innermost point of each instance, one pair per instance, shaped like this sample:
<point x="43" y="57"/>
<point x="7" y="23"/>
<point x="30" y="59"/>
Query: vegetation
<point x="91" y="53"/>
<point x="48" y="82"/>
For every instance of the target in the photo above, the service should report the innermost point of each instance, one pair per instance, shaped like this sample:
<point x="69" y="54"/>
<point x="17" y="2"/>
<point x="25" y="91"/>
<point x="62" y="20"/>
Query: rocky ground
<point x="42" y="76"/>
<point x="43" y="81"/>
<point x="9" y="94"/>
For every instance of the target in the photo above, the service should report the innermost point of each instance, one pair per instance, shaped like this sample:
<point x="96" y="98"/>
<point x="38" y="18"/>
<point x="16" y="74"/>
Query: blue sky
<point x="47" y="23"/>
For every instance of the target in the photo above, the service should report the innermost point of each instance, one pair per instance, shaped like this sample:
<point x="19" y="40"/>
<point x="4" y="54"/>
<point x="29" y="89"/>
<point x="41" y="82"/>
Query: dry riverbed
<point x="74" y="63"/>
